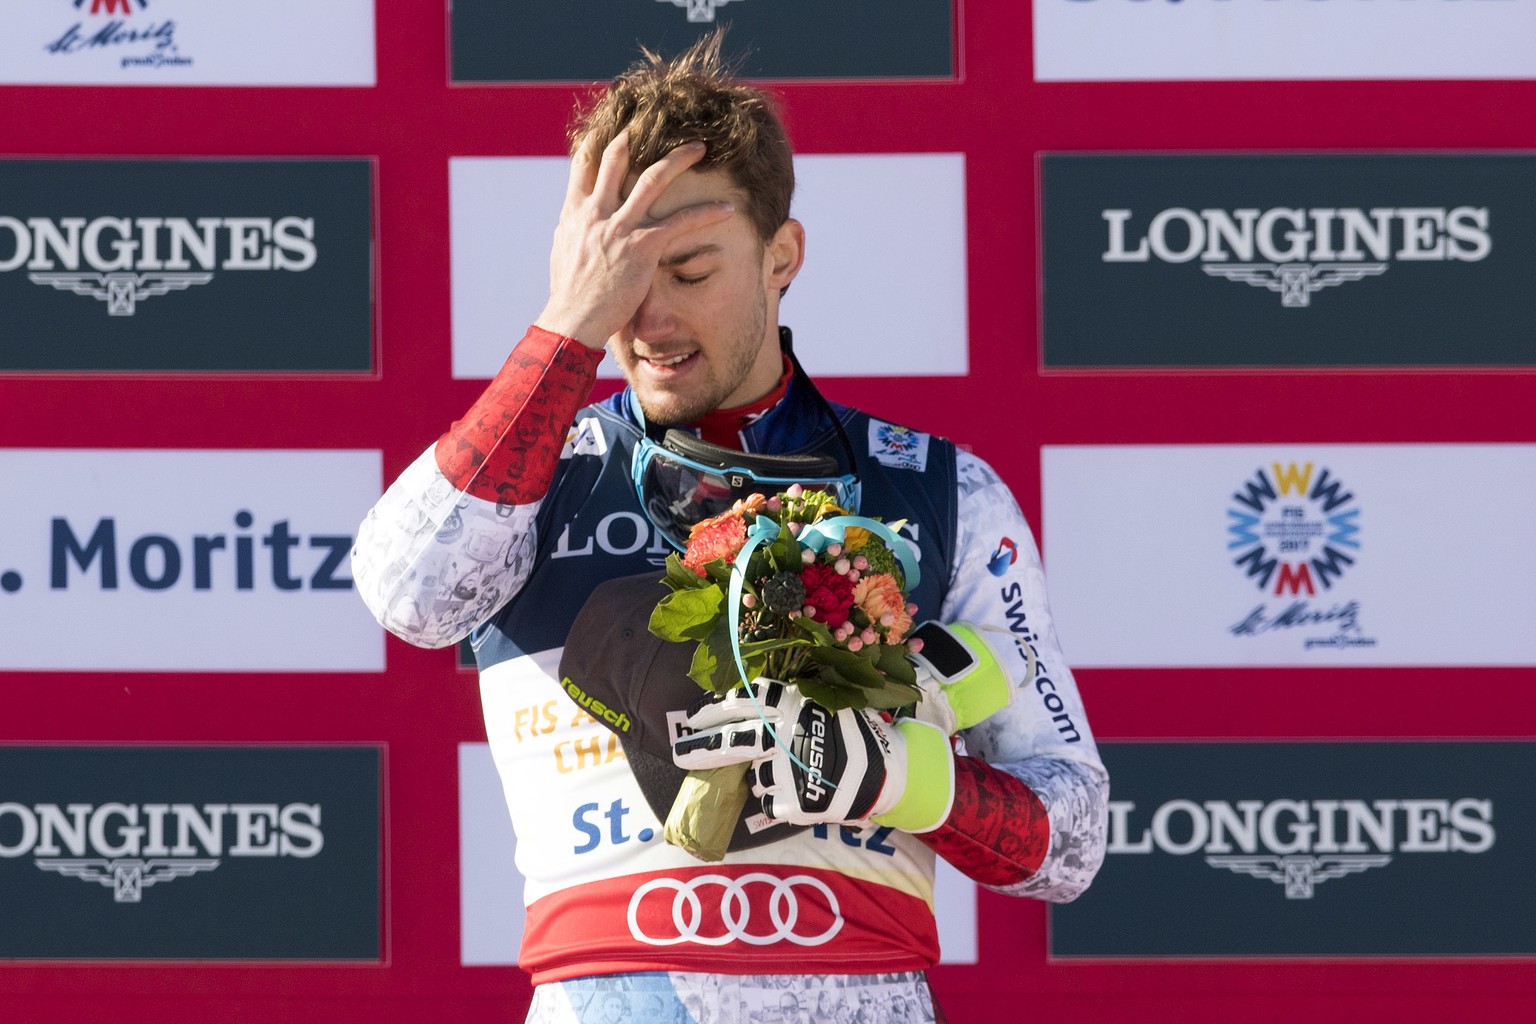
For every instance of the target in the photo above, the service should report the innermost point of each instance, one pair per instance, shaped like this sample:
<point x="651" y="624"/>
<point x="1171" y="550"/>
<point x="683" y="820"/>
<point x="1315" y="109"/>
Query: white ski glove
<point x="847" y="766"/>
<point x="853" y="765"/>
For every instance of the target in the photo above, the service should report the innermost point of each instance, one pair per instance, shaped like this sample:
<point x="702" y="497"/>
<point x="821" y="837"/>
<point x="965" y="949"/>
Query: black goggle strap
<point x="837" y="421"/>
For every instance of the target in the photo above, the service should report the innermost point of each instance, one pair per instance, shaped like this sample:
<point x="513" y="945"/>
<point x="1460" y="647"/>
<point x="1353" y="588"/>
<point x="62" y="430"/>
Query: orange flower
<point x="878" y="596"/>
<point x="751" y="505"/>
<point x="719" y="537"/>
<point x="722" y="536"/>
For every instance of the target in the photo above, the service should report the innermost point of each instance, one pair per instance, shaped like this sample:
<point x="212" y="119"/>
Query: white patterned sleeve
<point x="1042" y="738"/>
<point x="432" y="562"/>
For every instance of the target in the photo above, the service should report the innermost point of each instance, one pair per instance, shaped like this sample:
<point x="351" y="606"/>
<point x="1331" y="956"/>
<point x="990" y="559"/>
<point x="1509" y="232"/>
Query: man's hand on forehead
<point x="607" y="245"/>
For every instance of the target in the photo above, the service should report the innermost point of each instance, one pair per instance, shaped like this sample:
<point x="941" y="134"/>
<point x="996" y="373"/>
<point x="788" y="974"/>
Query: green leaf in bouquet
<point x="856" y="667"/>
<point x="773" y="658"/>
<point x="834" y="696"/>
<point x="702" y="668"/>
<point x="680" y="577"/>
<point x="835" y="691"/>
<point x="719" y="573"/>
<point x="714" y="666"/>
<point x="818" y="632"/>
<point x="755" y="664"/>
<point x="893" y="695"/>
<point x="892" y="660"/>
<point x="785" y="553"/>
<point x="760" y="564"/>
<point x="687" y="614"/>
<point x="758" y="648"/>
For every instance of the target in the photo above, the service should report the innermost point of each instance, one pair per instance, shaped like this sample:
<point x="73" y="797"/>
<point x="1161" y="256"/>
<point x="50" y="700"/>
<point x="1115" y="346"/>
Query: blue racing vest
<point x="590" y="527"/>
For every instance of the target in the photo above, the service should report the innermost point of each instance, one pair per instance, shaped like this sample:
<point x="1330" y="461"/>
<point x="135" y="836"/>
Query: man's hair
<point x="696" y="96"/>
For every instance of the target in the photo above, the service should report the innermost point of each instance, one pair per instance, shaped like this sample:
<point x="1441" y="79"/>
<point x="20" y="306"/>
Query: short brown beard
<point x="743" y="359"/>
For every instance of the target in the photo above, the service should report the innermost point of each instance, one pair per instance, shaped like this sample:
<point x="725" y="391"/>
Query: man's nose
<point x="654" y="317"/>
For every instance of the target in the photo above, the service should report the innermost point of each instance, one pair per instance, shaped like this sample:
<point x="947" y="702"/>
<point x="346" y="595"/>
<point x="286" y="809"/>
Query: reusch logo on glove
<point x="812" y="745"/>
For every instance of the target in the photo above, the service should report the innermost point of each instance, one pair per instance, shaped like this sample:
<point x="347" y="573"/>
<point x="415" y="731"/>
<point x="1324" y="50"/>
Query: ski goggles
<point x="682" y="480"/>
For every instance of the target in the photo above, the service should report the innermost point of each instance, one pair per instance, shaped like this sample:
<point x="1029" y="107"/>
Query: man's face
<point x="706" y="336"/>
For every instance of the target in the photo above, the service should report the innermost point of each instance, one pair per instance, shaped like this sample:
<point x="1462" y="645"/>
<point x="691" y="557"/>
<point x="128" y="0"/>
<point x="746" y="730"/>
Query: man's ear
<point x="786" y="252"/>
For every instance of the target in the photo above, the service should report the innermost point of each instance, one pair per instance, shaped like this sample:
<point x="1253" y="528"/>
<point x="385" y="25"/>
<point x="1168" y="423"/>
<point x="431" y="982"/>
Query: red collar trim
<point x="724" y="426"/>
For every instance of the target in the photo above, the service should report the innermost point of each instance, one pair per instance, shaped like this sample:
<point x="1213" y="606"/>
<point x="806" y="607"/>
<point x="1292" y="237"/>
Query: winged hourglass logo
<point x="122" y="291"/>
<point x="127" y="877"/>
<point x="1299" y="874"/>
<point x="1294" y="281"/>
<point x="698" y="10"/>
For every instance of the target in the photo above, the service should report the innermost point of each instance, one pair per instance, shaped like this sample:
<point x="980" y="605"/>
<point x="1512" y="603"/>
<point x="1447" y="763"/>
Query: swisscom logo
<point x="1293" y="530"/>
<point x="269" y="852"/>
<point x="1293" y="260"/>
<point x="1310" y="848"/>
<point x="182" y="265"/>
<point x="1003" y="558"/>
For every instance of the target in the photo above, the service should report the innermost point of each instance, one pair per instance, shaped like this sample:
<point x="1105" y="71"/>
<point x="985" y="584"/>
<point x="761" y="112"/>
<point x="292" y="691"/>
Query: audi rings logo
<point x="736" y="910"/>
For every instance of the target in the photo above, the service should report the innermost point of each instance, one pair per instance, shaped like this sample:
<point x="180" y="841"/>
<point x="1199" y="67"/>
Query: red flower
<point x="828" y="593"/>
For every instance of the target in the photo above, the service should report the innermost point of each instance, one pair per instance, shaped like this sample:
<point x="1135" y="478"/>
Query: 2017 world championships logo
<point x="1299" y="542"/>
<point x="1294" y="529"/>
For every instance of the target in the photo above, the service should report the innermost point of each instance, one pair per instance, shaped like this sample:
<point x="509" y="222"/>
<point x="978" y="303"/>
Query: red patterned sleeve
<point x="997" y="832"/>
<point x="508" y="445"/>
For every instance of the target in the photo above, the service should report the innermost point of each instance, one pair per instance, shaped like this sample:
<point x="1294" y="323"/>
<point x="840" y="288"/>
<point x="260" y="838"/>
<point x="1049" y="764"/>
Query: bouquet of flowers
<point x="792" y="588"/>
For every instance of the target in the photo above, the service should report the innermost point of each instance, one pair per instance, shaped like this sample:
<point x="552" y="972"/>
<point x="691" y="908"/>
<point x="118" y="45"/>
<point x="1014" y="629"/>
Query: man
<point x="673" y="250"/>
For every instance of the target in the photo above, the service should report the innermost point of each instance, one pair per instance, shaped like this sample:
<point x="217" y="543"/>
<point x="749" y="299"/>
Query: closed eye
<point x="678" y="261"/>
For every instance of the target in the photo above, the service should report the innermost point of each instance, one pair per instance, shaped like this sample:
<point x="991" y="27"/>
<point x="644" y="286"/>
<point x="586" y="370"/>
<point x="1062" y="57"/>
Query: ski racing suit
<point x="502" y="529"/>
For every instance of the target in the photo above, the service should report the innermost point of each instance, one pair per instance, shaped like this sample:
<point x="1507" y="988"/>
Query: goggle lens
<point x="677" y="492"/>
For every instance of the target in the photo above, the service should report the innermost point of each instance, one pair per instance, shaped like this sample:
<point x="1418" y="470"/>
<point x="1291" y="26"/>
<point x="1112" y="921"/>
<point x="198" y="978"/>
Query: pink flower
<point x="878" y="596"/>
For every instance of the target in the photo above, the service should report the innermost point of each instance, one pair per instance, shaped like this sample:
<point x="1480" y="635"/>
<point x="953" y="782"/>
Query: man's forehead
<point x="688" y="189"/>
